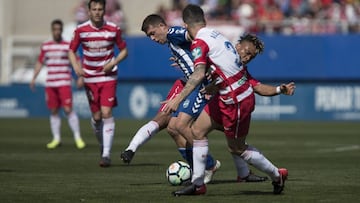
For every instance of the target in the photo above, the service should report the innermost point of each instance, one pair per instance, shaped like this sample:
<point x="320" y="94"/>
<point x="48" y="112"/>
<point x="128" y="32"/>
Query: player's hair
<point x="152" y="19"/>
<point x="259" y="45"/>
<point x="103" y="2"/>
<point x="193" y="14"/>
<point x="57" y="22"/>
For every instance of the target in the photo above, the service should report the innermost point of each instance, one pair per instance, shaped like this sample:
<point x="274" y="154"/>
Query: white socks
<point x="73" y="121"/>
<point x="108" y="135"/>
<point x="252" y="156"/>
<point x="242" y="168"/>
<point x="55" y="124"/>
<point x="200" y="151"/>
<point x="143" y="135"/>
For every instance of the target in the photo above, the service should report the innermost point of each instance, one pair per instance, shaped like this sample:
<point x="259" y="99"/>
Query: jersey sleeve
<point x="120" y="42"/>
<point x="75" y="41"/>
<point x="177" y="35"/>
<point x="199" y="50"/>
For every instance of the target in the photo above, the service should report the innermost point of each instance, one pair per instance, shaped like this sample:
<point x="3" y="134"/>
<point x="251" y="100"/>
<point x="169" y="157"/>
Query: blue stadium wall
<point x="325" y="69"/>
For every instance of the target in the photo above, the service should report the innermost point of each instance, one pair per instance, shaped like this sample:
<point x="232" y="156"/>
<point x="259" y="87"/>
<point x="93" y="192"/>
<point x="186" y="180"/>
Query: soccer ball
<point x="178" y="173"/>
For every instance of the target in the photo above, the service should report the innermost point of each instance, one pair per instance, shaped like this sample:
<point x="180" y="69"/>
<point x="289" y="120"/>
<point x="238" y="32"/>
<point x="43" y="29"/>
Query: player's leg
<point x="144" y="134"/>
<point x="188" y="111"/>
<point x="108" y="132"/>
<point x="181" y="125"/>
<point x="107" y="101"/>
<point x="97" y="123"/>
<point x="53" y="103"/>
<point x="244" y="174"/>
<point x="254" y="157"/>
<point x="73" y="120"/>
<point x="237" y="145"/>
<point x="200" y="128"/>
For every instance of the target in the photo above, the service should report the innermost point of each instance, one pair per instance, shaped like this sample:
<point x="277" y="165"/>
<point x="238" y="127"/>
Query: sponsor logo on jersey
<point x="227" y="129"/>
<point x="196" y="53"/>
<point x="111" y="99"/>
<point x="186" y="103"/>
<point x="242" y="80"/>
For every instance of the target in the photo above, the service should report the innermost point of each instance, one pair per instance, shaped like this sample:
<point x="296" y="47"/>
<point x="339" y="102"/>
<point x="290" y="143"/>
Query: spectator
<point x="115" y="14"/>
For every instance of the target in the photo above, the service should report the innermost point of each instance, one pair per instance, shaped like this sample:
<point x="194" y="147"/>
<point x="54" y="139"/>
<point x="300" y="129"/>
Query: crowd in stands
<point x="276" y="16"/>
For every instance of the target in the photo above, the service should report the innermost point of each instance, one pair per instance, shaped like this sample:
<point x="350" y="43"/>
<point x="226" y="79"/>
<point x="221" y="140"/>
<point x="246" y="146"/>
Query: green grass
<point x="323" y="159"/>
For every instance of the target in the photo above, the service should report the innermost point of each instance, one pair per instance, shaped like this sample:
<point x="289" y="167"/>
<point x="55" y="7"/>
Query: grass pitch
<point x="323" y="159"/>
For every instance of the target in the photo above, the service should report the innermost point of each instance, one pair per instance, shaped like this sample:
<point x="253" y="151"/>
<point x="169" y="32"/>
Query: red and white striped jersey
<point x="98" y="49"/>
<point x="213" y="49"/>
<point x="54" y="55"/>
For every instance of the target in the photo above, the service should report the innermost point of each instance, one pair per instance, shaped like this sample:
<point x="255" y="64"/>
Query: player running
<point x="98" y="38"/>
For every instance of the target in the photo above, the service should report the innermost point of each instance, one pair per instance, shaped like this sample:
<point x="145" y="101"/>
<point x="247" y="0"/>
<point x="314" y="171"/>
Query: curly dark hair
<point x="102" y="2"/>
<point x="259" y="45"/>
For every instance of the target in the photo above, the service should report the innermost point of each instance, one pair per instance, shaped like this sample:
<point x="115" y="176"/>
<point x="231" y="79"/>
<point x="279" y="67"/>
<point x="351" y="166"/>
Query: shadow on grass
<point x="140" y="184"/>
<point x="256" y="193"/>
<point x="234" y="181"/>
<point x="6" y="170"/>
<point x="136" y="165"/>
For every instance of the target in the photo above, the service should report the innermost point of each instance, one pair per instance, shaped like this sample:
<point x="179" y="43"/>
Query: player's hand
<point x="175" y="61"/>
<point x="32" y="85"/>
<point x="80" y="82"/>
<point x="288" y="89"/>
<point x="171" y="105"/>
<point x="79" y="72"/>
<point x="109" y="67"/>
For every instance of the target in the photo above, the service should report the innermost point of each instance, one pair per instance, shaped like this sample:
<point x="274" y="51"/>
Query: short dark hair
<point x="152" y="19"/>
<point x="193" y="14"/>
<point x="57" y="22"/>
<point x="103" y="2"/>
<point x="259" y="45"/>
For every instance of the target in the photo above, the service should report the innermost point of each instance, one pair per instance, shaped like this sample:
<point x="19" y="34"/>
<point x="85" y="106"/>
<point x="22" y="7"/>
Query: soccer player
<point x="53" y="55"/>
<point x="99" y="71"/>
<point x="176" y="37"/>
<point x="155" y="27"/>
<point x="230" y="110"/>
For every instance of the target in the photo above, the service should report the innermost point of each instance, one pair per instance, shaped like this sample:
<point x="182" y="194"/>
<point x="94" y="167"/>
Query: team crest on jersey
<point x="186" y="103"/>
<point x="196" y="53"/>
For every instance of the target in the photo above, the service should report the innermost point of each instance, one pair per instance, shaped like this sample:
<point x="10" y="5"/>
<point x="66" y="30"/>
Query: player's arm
<point x="269" y="90"/>
<point x="195" y="79"/>
<point x="79" y="80"/>
<point x="75" y="63"/>
<point x="37" y="70"/>
<point x="121" y="56"/>
<point x="73" y="47"/>
<point x="121" y="44"/>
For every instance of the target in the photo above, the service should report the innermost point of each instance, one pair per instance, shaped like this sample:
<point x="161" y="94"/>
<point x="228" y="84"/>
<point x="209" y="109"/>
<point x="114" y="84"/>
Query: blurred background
<point x="311" y="42"/>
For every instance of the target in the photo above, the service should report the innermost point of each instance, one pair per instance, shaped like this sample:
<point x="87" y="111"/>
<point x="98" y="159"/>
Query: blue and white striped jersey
<point x="180" y="48"/>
